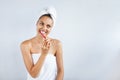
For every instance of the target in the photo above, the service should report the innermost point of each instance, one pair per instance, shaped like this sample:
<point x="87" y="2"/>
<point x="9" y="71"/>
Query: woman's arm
<point x="59" y="58"/>
<point x="32" y="68"/>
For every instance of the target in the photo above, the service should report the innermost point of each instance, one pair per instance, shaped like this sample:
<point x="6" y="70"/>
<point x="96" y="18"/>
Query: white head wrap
<point x="51" y="11"/>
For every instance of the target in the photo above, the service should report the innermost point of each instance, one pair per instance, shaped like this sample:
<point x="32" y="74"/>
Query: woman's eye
<point x="48" y="26"/>
<point x="41" y="23"/>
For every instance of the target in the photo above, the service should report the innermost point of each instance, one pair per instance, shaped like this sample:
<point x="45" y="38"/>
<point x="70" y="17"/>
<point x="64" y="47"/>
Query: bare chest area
<point x="37" y="47"/>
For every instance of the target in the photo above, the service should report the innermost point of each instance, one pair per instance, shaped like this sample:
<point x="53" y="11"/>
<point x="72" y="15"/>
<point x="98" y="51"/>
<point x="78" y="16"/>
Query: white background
<point x="88" y="29"/>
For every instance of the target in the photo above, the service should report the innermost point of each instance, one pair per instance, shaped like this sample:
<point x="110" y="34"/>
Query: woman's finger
<point x="48" y="45"/>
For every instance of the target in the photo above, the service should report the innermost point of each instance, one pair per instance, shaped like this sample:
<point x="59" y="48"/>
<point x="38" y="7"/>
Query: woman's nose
<point x="44" y="27"/>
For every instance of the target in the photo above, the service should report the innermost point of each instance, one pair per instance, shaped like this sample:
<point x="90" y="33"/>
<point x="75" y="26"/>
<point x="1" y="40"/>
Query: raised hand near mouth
<point x="43" y="34"/>
<point x="45" y="44"/>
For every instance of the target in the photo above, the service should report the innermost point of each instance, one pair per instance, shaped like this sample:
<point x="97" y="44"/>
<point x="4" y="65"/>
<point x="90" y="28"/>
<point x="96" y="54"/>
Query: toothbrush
<point x="43" y="35"/>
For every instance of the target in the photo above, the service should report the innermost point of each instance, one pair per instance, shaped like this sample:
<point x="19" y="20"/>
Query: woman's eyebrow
<point x="42" y="21"/>
<point x="48" y="25"/>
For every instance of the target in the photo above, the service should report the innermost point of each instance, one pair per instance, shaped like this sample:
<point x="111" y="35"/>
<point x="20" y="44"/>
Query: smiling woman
<point x="45" y="20"/>
<point x="43" y="55"/>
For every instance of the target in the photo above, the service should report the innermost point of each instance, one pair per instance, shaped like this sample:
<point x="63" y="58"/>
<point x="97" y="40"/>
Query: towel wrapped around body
<point x="48" y="70"/>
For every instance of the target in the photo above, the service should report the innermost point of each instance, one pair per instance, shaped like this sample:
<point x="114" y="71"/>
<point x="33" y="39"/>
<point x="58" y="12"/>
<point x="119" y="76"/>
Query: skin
<point x="38" y="44"/>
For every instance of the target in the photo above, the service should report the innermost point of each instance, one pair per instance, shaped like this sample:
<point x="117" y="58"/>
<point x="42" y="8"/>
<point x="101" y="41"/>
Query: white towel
<point x="48" y="70"/>
<point x="49" y="10"/>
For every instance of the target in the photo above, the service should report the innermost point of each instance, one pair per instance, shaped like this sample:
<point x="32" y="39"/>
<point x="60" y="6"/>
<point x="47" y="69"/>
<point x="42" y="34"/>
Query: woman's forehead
<point x="46" y="19"/>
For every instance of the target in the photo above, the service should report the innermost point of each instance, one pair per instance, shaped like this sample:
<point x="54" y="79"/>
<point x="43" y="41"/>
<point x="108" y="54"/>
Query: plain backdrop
<point x="88" y="29"/>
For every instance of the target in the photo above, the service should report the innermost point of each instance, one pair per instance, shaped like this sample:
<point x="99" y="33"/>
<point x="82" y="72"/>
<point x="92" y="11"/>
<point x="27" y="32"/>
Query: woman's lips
<point x="42" y="33"/>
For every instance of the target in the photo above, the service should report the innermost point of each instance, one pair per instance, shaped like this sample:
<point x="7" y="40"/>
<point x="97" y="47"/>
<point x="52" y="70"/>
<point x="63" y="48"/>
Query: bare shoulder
<point x="58" y="47"/>
<point x="25" y="44"/>
<point x="57" y="42"/>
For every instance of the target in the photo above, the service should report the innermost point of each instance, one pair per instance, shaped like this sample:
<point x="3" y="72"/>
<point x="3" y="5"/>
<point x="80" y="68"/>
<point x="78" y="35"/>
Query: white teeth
<point x="43" y="32"/>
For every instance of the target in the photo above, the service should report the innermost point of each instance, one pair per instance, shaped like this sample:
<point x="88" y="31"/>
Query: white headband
<point x="51" y="11"/>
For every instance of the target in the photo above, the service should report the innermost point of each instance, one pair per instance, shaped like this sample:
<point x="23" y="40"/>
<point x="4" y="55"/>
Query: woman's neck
<point x="39" y="38"/>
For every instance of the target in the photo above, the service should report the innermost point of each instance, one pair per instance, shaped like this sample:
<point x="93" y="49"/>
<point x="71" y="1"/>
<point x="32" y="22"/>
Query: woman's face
<point x="44" y="25"/>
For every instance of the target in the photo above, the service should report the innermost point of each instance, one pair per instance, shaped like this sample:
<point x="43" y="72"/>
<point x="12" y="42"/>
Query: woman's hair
<point x="48" y="15"/>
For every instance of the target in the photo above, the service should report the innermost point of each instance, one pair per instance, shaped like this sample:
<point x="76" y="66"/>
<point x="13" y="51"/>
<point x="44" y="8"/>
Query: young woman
<point x="43" y="55"/>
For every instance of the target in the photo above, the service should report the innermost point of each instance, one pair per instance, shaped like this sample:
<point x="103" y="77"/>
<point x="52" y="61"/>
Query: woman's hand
<point x="45" y="46"/>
